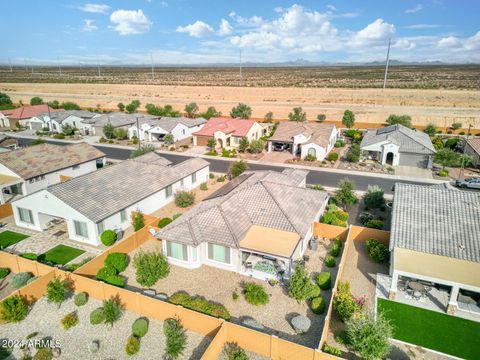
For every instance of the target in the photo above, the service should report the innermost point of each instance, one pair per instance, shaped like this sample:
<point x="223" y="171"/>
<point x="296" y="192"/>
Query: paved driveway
<point x="413" y="171"/>
<point x="276" y="156"/>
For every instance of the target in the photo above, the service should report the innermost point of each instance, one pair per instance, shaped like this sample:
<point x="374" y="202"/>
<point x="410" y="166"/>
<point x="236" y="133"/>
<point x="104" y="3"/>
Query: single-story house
<point x="256" y="225"/>
<point x="105" y="199"/>
<point x="155" y="129"/>
<point x="472" y="148"/>
<point x="24" y="113"/>
<point x="302" y="139"/>
<point x="435" y="239"/>
<point x="119" y="120"/>
<point x="54" y="121"/>
<point x="227" y="132"/>
<point x="398" y="145"/>
<point x="25" y="171"/>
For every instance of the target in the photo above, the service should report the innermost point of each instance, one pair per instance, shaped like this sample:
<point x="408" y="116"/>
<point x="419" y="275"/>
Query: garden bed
<point x="8" y="238"/>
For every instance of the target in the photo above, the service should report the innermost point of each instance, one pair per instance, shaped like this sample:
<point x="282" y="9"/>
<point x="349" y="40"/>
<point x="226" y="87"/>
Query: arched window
<point x="312" y="152"/>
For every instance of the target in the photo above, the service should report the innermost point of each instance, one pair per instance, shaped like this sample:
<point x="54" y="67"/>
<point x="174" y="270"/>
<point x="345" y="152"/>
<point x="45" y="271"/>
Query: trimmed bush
<point x="255" y="294"/>
<point x="332" y="156"/>
<point x="176" y="338"/>
<point x="14" y="309"/>
<point x="443" y="173"/>
<point x="118" y="261"/>
<point x="375" y="224"/>
<point x="97" y="316"/>
<point x="140" y="327"/>
<point x="232" y="351"/>
<point x="69" y="320"/>
<point x="29" y="256"/>
<point x="164" y="222"/>
<point x="221" y="179"/>
<point x="211" y="176"/>
<point x="330" y="261"/>
<point x="184" y="199"/>
<point x="108" y="237"/>
<point x="339" y="143"/>
<point x="105" y="272"/>
<point x="199" y="304"/>
<point x="133" y="346"/>
<point x="377" y="251"/>
<point x="317" y="305"/>
<point x="4" y="272"/>
<point x="116" y="280"/>
<point x="20" y="279"/>
<point x="150" y="267"/>
<point x="204" y="186"/>
<point x="324" y="280"/>
<point x="80" y="299"/>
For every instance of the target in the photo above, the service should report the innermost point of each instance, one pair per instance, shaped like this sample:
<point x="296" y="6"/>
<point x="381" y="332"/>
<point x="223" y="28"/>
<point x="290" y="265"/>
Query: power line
<point x="386" y="65"/>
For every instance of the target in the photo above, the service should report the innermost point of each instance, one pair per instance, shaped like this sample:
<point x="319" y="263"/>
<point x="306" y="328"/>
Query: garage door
<point x="413" y="160"/>
<point x="36" y="125"/>
<point x="203" y="140"/>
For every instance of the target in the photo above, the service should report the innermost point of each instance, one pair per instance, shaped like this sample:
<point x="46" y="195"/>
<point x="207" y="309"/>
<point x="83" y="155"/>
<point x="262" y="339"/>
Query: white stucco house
<point x="119" y="120"/>
<point x="155" y="129"/>
<point x="23" y="114"/>
<point x="256" y="225"/>
<point x="398" y="145"/>
<point x="302" y="139"/>
<point x="105" y="199"/>
<point x="55" y="120"/>
<point x="25" y="171"/>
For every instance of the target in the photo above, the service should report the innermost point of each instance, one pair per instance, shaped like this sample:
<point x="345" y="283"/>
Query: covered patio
<point x="10" y="187"/>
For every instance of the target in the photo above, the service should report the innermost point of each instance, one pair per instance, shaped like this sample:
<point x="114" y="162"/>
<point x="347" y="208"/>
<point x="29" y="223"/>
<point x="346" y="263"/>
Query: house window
<point x="81" y="228"/>
<point x="181" y="182"/>
<point x="123" y="215"/>
<point x="177" y="251"/>
<point x="100" y="227"/>
<point x="75" y="167"/>
<point x="183" y="131"/>
<point x="219" y="253"/>
<point x="25" y="215"/>
<point x="194" y="253"/>
<point x="168" y="191"/>
<point x="194" y="178"/>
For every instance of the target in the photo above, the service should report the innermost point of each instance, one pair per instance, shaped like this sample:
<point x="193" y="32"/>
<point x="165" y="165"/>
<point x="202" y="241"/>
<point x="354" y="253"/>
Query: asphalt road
<point x="328" y="179"/>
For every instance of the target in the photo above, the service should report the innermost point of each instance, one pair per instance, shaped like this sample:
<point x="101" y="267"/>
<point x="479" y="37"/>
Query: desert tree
<point x="191" y="109"/>
<point x="297" y="115"/>
<point x="242" y="111"/>
<point x="348" y="119"/>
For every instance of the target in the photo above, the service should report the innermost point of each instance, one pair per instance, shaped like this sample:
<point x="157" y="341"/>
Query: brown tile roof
<point x="46" y="158"/>
<point x="474" y="144"/>
<point x="27" y="112"/>
<point x="318" y="133"/>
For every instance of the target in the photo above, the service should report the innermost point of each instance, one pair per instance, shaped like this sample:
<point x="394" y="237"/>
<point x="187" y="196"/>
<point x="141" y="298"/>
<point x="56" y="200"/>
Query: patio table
<point x="416" y="286"/>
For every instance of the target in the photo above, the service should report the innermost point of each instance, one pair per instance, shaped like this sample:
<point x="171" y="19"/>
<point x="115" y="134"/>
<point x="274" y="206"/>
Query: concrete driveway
<point x="413" y="171"/>
<point x="276" y="156"/>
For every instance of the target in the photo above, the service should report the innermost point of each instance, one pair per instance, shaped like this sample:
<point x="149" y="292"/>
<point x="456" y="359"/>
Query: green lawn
<point x="430" y="329"/>
<point x="8" y="238"/>
<point x="60" y="254"/>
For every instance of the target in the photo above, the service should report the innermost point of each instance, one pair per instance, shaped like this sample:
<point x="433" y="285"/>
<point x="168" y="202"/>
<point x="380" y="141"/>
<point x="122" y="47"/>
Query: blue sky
<point x="192" y="32"/>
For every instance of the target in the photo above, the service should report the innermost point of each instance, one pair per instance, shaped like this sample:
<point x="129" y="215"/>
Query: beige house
<point x="435" y="242"/>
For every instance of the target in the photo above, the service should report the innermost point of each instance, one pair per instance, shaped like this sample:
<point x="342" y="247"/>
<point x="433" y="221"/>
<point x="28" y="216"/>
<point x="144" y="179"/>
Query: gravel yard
<point x="218" y="285"/>
<point x="45" y="317"/>
<point x="5" y="288"/>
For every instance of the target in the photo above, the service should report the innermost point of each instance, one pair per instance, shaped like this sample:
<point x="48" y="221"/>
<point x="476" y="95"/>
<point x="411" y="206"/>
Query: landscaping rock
<point x="301" y="324"/>
<point x="149" y="292"/>
<point x="94" y="346"/>
<point x="162" y="296"/>
<point x="252" y="324"/>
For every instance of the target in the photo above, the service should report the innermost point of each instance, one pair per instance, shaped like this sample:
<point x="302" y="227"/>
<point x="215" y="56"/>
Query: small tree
<point x="404" y="120"/>
<point x="268" y="117"/>
<point x="345" y="193"/>
<point x="353" y="154"/>
<point x="448" y="157"/>
<point x="108" y="130"/>
<point x="57" y="290"/>
<point x="36" y="101"/>
<point x="14" y="309"/>
<point x="297" y="115"/>
<point x="191" y="110"/>
<point x="120" y="133"/>
<point x="348" y="119"/>
<point x="68" y="130"/>
<point x="237" y="168"/>
<point x="243" y="144"/>
<point x="68" y="105"/>
<point x="211" y="112"/>
<point x="150" y="267"/>
<point x="368" y="337"/>
<point x="142" y="150"/>
<point x="257" y="146"/>
<point x="112" y="310"/>
<point x="176" y="338"/>
<point x="242" y="111"/>
<point x="5" y="99"/>
<point x="54" y="104"/>
<point x="138" y="220"/>
<point x="168" y="139"/>
<point x="321" y="117"/>
<point x="184" y="199"/>
<point x="301" y="287"/>
<point x="211" y="144"/>
<point x="430" y="130"/>
<point x="121" y="107"/>
<point x="373" y="198"/>
<point x="456" y="125"/>
<point x="133" y="106"/>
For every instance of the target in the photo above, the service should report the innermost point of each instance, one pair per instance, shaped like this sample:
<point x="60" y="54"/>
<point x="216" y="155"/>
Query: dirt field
<point x="441" y="107"/>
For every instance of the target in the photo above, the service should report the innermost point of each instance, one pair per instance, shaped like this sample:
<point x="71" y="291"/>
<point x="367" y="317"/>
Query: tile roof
<point x="119" y="119"/>
<point x="438" y="221"/>
<point x="408" y="140"/>
<point x="474" y="144"/>
<point x="62" y="115"/>
<point x="259" y="200"/>
<point x="27" y="112"/>
<point x="42" y="159"/>
<point x="316" y="132"/>
<point x="169" y="123"/>
<point x="153" y="158"/>
<point x="105" y="192"/>
<point x="236" y="127"/>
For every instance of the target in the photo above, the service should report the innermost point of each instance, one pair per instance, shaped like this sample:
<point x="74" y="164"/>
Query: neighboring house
<point x="23" y="114"/>
<point x="155" y="129"/>
<point x="227" y="132"/>
<point x="472" y="148"/>
<point x="302" y="139"/>
<point x="30" y="169"/>
<point x="54" y="121"/>
<point x="119" y="120"/>
<point x="398" y="145"/>
<point x="5" y="122"/>
<point x="105" y="199"/>
<point x="435" y="238"/>
<point x="256" y="225"/>
<point x="7" y="142"/>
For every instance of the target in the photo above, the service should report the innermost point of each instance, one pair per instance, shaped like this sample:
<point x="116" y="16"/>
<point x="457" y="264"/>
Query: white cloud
<point x="164" y="3"/>
<point x="453" y="42"/>
<point x="404" y="44"/>
<point x="375" y="32"/>
<point x="225" y="28"/>
<point x="449" y="42"/>
<point x="414" y="9"/>
<point x="278" y="9"/>
<point x="232" y="14"/>
<point x="95" y="8"/>
<point x="128" y="22"/>
<point x="197" y="29"/>
<point x="331" y="7"/>
<point x="421" y="26"/>
<point x="473" y="43"/>
<point x="88" y="25"/>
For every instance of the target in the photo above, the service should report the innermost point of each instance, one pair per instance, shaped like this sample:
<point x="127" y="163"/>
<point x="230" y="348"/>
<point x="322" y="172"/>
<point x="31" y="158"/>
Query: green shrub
<point x="164" y="222"/>
<point x="73" y="267"/>
<point x="310" y="157"/>
<point x="339" y="143"/>
<point x="69" y="320"/>
<point x="57" y="290"/>
<point x="375" y="224"/>
<point x="118" y="261"/>
<point x="204" y="186"/>
<point x="255" y="294"/>
<point x="330" y="261"/>
<point x="138" y="220"/>
<point x="343" y="302"/>
<point x="140" y="327"/>
<point x="176" y="338"/>
<point x="184" y="199"/>
<point x="112" y="310"/>
<point x="176" y="216"/>
<point x="104" y="272"/>
<point x="335" y="249"/>
<point x="324" y="280"/>
<point x="20" y="279"/>
<point x="97" y="316"/>
<point x="116" y="280"/>
<point x="235" y="296"/>
<point x="373" y="197"/>
<point x="212" y="152"/>
<point x="108" y="237"/>
<point x="232" y="351"/>
<point x="199" y="304"/>
<point x="59" y="136"/>
<point x="353" y="154"/>
<point x="332" y="156"/>
<point x="29" y="256"/>
<point x="443" y="173"/>
<point x="317" y="305"/>
<point x="377" y="251"/>
<point x="331" y="350"/>
<point x="133" y="346"/>
<point x="4" y="272"/>
<point x="80" y="299"/>
<point x="14" y="309"/>
<point x="211" y="176"/>
<point x="43" y="354"/>
<point x="300" y="285"/>
<point x="150" y="267"/>
<point x="237" y="168"/>
<point x="102" y="140"/>
<point x="221" y="179"/>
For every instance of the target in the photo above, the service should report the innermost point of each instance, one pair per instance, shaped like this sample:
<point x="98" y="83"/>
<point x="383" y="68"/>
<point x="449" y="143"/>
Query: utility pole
<point x="241" y="76"/>
<point x="386" y="65"/>
<point x="59" y="66"/>
<point x="153" y="71"/>
<point x="460" y="175"/>
<point x="138" y="132"/>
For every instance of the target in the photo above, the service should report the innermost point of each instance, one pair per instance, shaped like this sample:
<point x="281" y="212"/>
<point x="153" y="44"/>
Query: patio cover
<point x="270" y="241"/>
<point x="8" y="180"/>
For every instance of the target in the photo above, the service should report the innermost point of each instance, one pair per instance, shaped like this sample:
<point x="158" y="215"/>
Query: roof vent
<point x="461" y="247"/>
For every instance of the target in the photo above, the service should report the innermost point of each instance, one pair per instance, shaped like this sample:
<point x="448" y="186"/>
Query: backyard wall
<point x="329" y="231"/>
<point x="5" y="210"/>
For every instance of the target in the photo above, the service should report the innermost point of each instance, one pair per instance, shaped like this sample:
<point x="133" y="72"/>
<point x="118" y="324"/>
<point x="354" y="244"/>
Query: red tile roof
<point x="27" y="112"/>
<point x="235" y="127"/>
<point x="475" y="144"/>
